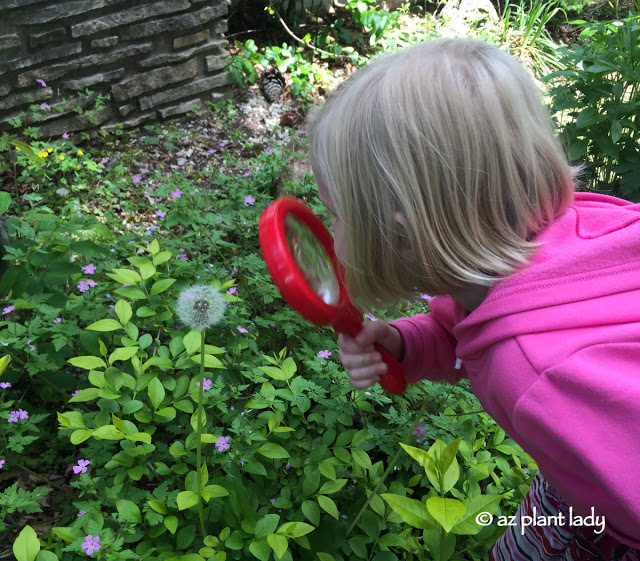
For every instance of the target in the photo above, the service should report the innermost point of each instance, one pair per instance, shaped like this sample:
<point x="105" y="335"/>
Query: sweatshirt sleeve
<point x="429" y="343"/>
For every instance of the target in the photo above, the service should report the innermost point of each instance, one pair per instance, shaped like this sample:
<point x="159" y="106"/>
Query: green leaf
<point x="328" y="505"/>
<point x="266" y="525"/>
<point x="125" y="276"/>
<point x="108" y="432"/>
<point x="334" y="486"/>
<point x="278" y="543"/>
<point x="123" y="353"/>
<point x="80" y="435"/>
<point x="88" y="362"/>
<point x="260" y="549"/>
<point x="616" y="131"/>
<point x="105" y="325"/>
<point x="483" y="503"/>
<point x="186" y="499"/>
<point x="27" y="545"/>
<point x="161" y="286"/>
<point x="209" y="361"/>
<point x="145" y="312"/>
<point x="161" y="257"/>
<point x="5" y="202"/>
<point x="271" y="450"/>
<point x="214" y="492"/>
<point x="412" y="511"/>
<point x="136" y="473"/>
<point x="171" y="523"/>
<point x="87" y="394"/>
<point x="191" y="341"/>
<point x="47" y="556"/>
<point x="274" y="373"/>
<point x="132" y="406"/>
<point x="156" y="392"/>
<point x="295" y="529"/>
<point x="446" y="511"/>
<point x="123" y="311"/>
<point x="128" y="510"/>
<point x="312" y="511"/>
<point x="132" y="292"/>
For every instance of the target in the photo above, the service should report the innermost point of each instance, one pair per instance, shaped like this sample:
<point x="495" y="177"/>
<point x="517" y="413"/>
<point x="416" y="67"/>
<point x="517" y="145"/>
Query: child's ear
<point x="402" y="229"/>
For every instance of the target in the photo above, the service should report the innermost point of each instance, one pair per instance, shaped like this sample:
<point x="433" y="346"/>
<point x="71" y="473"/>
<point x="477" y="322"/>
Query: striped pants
<point x="555" y="542"/>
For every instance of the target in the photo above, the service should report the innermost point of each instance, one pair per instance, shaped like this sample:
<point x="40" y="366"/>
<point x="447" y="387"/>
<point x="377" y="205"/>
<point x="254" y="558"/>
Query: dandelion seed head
<point x="200" y="306"/>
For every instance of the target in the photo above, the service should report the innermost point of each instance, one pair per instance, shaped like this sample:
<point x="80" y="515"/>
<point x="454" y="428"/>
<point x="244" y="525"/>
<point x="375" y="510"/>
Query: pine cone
<point x="271" y="84"/>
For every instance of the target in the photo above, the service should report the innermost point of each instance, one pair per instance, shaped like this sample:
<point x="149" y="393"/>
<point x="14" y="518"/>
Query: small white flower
<point x="200" y="306"/>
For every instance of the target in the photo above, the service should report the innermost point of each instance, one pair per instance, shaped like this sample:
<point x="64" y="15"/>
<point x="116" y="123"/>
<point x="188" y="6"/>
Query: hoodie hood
<point x="591" y="251"/>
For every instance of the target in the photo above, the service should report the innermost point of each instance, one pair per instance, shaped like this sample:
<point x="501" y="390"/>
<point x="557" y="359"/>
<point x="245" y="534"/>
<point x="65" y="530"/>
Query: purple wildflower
<point x="61" y="192"/>
<point x="31" y="347"/>
<point x="206" y="385"/>
<point x="232" y="290"/>
<point x="2" y="463"/>
<point x="83" y="286"/>
<point x="242" y="330"/>
<point x="176" y="194"/>
<point x="13" y="417"/>
<point x="183" y="257"/>
<point x="324" y="354"/>
<point x="371" y="317"/>
<point x="272" y="501"/>
<point x="419" y="430"/>
<point x="212" y="150"/>
<point x="91" y="544"/>
<point x="45" y="106"/>
<point x="426" y="297"/>
<point x="223" y="143"/>
<point x="41" y="82"/>
<point x="75" y="392"/>
<point x="246" y="174"/>
<point x="104" y="160"/>
<point x="81" y="467"/>
<point x="89" y="269"/>
<point x="5" y="385"/>
<point x="136" y="178"/>
<point x="65" y="136"/>
<point x="160" y="214"/>
<point x="57" y="320"/>
<point x="223" y="443"/>
<point x="81" y="512"/>
<point x="249" y="200"/>
<point x="8" y="309"/>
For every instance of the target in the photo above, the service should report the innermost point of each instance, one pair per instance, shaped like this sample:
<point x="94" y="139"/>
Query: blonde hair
<point x="442" y="163"/>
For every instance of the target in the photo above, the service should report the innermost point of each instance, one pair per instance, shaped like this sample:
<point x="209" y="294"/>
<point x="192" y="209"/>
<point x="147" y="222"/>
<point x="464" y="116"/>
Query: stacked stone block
<point x="152" y="58"/>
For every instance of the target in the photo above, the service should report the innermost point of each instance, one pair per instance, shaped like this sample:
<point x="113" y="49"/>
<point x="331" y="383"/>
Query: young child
<point x="440" y="166"/>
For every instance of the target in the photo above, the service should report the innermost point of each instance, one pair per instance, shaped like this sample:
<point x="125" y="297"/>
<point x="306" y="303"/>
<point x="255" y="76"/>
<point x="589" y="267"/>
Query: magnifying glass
<point x="299" y="254"/>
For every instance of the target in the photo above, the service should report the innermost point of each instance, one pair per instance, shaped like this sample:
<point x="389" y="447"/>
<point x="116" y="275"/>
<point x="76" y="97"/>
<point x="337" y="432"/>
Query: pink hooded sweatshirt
<point x="553" y="355"/>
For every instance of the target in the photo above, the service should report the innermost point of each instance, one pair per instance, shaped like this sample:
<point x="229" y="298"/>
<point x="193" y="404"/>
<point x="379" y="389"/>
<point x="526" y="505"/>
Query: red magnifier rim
<point x="282" y="264"/>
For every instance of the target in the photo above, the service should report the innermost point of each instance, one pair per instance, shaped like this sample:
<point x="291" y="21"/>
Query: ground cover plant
<point x="159" y="400"/>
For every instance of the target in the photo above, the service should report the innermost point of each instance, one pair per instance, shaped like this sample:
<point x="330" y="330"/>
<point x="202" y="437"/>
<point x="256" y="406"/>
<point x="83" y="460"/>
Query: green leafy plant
<point x="526" y="36"/>
<point x="596" y="99"/>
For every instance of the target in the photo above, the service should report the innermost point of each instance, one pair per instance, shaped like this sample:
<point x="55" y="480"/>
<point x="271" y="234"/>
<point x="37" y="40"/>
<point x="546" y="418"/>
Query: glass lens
<point x="313" y="260"/>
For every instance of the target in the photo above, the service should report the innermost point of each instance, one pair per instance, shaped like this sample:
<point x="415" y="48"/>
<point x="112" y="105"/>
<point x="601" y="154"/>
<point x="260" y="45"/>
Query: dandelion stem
<point x="199" y="437"/>
<point x="388" y="470"/>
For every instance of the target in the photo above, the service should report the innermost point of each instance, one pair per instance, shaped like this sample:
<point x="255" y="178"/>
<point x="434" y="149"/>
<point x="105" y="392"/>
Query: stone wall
<point x="152" y="58"/>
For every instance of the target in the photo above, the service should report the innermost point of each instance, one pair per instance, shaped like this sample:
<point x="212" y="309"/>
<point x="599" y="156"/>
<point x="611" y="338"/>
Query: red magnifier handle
<point x="395" y="380"/>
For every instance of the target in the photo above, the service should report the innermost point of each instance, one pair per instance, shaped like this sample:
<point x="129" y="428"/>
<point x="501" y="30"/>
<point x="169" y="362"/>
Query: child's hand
<point x="362" y="363"/>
